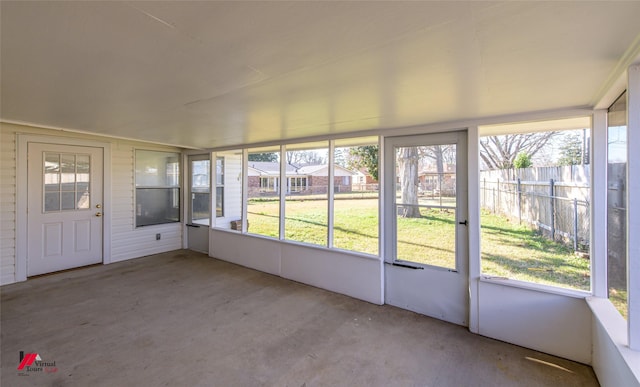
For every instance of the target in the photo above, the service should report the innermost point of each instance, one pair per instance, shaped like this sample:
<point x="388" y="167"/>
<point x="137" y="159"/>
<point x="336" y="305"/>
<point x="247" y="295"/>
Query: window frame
<point x="173" y="190"/>
<point x="220" y="187"/>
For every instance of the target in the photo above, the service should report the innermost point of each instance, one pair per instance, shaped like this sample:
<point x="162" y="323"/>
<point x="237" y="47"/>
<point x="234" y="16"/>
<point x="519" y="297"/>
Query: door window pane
<point x="200" y="192"/>
<point x="68" y="200"/>
<point x="425" y="200"/>
<point x="66" y="181"/>
<point x="51" y="201"/>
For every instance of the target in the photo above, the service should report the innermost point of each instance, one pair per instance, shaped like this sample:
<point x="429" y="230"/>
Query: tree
<point x="310" y="157"/>
<point x="268" y="156"/>
<point x="407" y="159"/>
<point x="523" y="160"/>
<point x="571" y="150"/>
<point x="499" y="152"/>
<point x="364" y="157"/>
<point x="440" y="154"/>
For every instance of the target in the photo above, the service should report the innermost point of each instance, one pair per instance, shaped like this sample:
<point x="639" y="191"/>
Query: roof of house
<point x="266" y="168"/>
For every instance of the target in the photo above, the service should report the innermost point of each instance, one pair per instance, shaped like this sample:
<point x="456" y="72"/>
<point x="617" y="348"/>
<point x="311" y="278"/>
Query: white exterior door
<point x="64" y="213"/>
<point x="426" y="246"/>
<point x="199" y="205"/>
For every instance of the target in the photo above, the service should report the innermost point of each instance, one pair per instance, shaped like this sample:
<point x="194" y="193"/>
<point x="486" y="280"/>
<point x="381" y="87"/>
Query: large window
<point x="263" y="199"/>
<point x="157" y="187"/>
<point x="535" y="203"/>
<point x="617" y="204"/>
<point x="306" y="187"/>
<point x="355" y="205"/>
<point x="306" y="203"/>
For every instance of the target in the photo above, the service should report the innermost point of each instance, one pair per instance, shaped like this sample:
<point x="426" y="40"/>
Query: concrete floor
<point x="183" y="319"/>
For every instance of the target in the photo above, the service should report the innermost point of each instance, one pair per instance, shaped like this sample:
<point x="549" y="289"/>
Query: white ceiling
<point x="210" y="74"/>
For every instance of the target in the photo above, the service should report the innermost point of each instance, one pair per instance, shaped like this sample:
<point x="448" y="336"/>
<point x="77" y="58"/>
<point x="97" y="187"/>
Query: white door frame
<point x="455" y="309"/>
<point x="22" y="195"/>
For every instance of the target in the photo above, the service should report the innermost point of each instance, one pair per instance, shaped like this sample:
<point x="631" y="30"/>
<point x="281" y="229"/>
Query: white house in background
<point x="264" y="178"/>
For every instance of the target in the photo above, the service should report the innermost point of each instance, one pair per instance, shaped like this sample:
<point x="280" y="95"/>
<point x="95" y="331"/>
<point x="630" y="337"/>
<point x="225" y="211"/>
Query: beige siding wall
<point x="126" y="241"/>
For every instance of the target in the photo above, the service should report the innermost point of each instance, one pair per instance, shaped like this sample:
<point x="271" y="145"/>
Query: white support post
<point x="213" y="188"/>
<point x="382" y="238"/>
<point x="245" y="189"/>
<point x="598" y="236"/>
<point x="633" y="206"/>
<point x="330" y="189"/>
<point x="284" y="186"/>
<point x="473" y="162"/>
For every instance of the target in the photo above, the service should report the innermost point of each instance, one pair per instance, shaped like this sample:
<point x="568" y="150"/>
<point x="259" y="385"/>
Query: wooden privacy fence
<point x="560" y="210"/>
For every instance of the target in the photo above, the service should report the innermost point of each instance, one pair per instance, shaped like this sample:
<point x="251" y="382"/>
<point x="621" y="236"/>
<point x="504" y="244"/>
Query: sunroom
<point x="501" y="136"/>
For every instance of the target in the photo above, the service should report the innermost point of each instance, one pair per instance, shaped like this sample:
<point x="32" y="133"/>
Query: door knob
<point x="98" y="205"/>
<point x="99" y="214"/>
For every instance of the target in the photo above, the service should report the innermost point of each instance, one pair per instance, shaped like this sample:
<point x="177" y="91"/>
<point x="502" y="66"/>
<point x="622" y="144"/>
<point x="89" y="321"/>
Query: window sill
<point x="615" y="327"/>
<point x="535" y="287"/>
<point x="301" y="244"/>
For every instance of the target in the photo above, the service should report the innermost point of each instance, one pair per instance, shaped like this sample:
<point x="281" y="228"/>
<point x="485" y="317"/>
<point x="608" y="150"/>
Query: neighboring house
<point x="363" y="181"/>
<point x="264" y="179"/>
<point x="432" y="182"/>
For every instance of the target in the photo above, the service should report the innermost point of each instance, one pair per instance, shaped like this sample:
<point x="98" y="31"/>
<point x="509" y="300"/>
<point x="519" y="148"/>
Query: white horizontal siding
<point x="7" y="206"/>
<point x="126" y="241"/>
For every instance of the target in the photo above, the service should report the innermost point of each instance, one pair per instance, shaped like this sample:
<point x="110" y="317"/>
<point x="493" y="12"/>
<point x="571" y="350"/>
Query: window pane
<point x="229" y="190"/>
<point x="263" y="206"/>
<point x="355" y="206"/>
<point x="307" y="193"/>
<point x="52" y="172"/>
<point x="68" y="201"/>
<point x="52" y="201"/>
<point x="157" y="169"/>
<point x="220" y="171"/>
<point x="68" y="174"/>
<point x="220" y="186"/>
<point x="66" y="181"/>
<point x="200" y="193"/>
<point x="82" y="201"/>
<point x="219" y="201"/>
<point x="534" y="197"/>
<point x="157" y="187"/>
<point x="426" y="205"/>
<point x="617" y="204"/>
<point x="157" y="205"/>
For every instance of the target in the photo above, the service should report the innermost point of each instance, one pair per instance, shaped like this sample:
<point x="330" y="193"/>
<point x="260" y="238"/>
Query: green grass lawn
<point x="517" y="252"/>
<point x="618" y="298"/>
<point x="508" y="250"/>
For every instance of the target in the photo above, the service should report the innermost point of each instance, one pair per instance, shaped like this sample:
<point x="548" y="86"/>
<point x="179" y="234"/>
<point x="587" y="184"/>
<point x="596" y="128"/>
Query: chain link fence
<point x="559" y="210"/>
